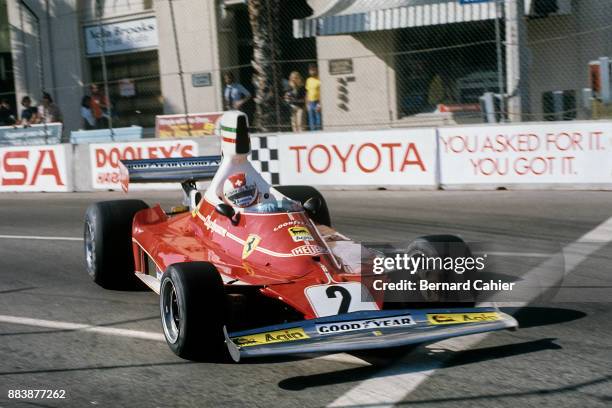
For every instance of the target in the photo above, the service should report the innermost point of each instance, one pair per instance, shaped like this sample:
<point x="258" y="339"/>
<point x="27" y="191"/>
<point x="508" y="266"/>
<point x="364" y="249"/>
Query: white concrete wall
<point x="198" y="44"/>
<point x="371" y="96"/>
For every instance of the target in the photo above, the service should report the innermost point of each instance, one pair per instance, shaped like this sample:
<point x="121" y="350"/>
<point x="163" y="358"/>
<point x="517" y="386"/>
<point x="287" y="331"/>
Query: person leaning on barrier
<point x="29" y="113"/>
<point x="48" y="111"/>
<point x="296" y="98"/>
<point x="313" y="97"/>
<point x="6" y="114"/>
<point x="89" y="121"/>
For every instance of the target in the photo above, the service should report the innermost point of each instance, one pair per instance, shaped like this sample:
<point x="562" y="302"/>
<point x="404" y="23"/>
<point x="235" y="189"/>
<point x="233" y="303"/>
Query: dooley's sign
<point x="105" y="157"/>
<point x="192" y="125"/>
<point x="121" y="37"/>
<point x="388" y="157"/>
<point x="557" y="152"/>
<point x="34" y="168"/>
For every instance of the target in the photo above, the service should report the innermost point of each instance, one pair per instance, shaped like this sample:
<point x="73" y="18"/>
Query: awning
<point x="355" y="16"/>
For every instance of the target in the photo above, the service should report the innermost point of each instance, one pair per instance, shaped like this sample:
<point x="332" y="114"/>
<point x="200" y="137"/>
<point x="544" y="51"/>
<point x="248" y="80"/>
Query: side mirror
<point x="312" y="205"/>
<point x="225" y="209"/>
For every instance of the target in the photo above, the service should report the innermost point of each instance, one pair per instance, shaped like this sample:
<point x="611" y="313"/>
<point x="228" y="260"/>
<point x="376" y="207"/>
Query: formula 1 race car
<point x="246" y="269"/>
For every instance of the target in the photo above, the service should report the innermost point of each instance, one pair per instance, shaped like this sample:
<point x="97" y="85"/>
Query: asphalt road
<point x="561" y="357"/>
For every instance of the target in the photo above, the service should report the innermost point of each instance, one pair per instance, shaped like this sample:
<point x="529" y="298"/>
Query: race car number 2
<point x="339" y="298"/>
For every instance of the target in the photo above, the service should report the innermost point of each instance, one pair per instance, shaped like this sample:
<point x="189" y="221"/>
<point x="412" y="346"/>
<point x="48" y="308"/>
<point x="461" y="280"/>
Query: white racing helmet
<point x="239" y="191"/>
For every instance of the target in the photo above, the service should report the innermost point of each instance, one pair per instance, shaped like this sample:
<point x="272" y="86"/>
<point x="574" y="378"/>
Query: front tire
<point x="108" y="243"/>
<point x="193" y="311"/>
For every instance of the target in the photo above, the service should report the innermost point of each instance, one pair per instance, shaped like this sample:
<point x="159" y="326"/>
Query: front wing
<point x="366" y="330"/>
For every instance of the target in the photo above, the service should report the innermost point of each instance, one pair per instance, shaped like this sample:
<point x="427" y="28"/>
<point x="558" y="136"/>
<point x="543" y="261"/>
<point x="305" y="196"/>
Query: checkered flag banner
<point x="264" y="157"/>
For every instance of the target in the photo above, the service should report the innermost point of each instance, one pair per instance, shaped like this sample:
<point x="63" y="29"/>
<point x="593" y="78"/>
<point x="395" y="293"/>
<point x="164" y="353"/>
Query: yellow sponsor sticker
<point x="250" y="245"/>
<point x="300" y="234"/>
<point x="279" y="336"/>
<point x="458" y="318"/>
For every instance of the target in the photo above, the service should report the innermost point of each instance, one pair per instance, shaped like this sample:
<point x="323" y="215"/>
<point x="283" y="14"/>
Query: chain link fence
<point x="415" y="76"/>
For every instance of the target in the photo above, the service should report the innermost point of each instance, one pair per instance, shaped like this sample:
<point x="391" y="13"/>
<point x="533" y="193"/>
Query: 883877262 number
<point x="36" y="394"/>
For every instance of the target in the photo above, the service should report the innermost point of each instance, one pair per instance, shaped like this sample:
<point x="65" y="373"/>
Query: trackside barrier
<point x="395" y="157"/>
<point x="127" y="134"/>
<point x="576" y="155"/>
<point x="31" y="135"/>
<point x="36" y="168"/>
<point x="569" y="155"/>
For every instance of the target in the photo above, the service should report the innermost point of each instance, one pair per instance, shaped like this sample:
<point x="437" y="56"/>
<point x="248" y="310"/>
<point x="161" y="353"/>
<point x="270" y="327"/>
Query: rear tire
<point x="193" y="311"/>
<point x="108" y="243"/>
<point x="302" y="194"/>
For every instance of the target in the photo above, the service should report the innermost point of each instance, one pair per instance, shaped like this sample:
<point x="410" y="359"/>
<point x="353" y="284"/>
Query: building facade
<point x="381" y="62"/>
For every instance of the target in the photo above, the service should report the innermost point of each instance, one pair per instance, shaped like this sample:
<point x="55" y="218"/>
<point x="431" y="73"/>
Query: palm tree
<point x="264" y="15"/>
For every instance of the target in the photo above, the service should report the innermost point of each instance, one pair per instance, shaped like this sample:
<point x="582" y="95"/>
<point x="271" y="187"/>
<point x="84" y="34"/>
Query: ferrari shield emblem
<point x="249" y="245"/>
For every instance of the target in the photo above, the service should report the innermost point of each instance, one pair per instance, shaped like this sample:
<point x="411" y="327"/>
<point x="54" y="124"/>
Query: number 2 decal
<point x="346" y="297"/>
<point x="338" y="298"/>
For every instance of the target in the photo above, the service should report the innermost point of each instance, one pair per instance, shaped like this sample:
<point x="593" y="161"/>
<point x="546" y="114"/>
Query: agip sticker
<point x="278" y="336"/>
<point x="459" y="318"/>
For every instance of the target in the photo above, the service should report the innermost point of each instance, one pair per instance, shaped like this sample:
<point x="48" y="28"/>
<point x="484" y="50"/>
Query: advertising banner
<point x="34" y="168"/>
<point x="31" y="135"/>
<point x="105" y="157"/>
<point x="388" y="157"/>
<point x="175" y="126"/>
<point x="559" y="152"/>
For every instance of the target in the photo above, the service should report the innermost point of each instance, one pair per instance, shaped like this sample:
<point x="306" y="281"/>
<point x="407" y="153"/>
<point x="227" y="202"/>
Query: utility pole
<point x="109" y="109"/>
<point x="517" y="61"/>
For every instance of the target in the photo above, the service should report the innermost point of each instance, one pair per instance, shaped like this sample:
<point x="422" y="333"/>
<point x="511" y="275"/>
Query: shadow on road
<point x="527" y="317"/>
<point x="362" y="373"/>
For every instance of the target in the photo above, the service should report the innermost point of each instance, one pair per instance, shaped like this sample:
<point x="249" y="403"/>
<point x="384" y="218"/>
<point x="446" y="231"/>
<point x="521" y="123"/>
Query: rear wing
<point x="173" y="170"/>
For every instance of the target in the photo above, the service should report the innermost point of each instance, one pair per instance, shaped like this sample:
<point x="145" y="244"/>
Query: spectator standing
<point x="89" y="121"/>
<point x="49" y="112"/>
<point x="99" y="106"/>
<point x="313" y="98"/>
<point x="235" y="96"/>
<point x="296" y="98"/>
<point x="6" y="114"/>
<point x="29" y="113"/>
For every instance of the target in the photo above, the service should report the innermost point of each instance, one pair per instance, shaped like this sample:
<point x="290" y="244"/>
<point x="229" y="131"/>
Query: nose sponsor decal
<point x="458" y="318"/>
<point x="308" y="250"/>
<point x="278" y="336"/>
<point x="355" y="325"/>
<point x="300" y="234"/>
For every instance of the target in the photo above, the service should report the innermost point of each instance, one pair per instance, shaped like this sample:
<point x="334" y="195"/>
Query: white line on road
<point x="143" y="335"/>
<point x="54" y="324"/>
<point x="394" y="383"/>
<point x="40" y="238"/>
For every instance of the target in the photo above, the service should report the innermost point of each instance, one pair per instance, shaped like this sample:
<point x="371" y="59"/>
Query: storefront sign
<point x="34" y="134"/>
<point x="200" y="124"/>
<point x="389" y="157"/>
<point x="201" y="79"/>
<point x="34" y="168"/>
<point x="122" y="37"/>
<point x="341" y="66"/>
<point x="105" y="157"/>
<point x="560" y="152"/>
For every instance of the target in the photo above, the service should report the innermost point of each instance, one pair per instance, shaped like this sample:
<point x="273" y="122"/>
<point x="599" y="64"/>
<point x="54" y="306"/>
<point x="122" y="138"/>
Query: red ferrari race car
<point x="247" y="269"/>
